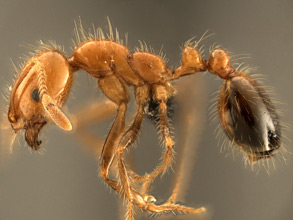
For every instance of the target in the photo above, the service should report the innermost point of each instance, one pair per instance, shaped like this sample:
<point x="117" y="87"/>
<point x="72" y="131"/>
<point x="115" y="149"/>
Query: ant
<point x="246" y="114"/>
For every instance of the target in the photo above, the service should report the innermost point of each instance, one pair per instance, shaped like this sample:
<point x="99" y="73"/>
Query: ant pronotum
<point x="43" y="84"/>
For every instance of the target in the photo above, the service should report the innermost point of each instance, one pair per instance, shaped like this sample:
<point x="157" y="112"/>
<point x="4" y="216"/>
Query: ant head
<point x="249" y="117"/>
<point x="219" y="64"/>
<point x="46" y="76"/>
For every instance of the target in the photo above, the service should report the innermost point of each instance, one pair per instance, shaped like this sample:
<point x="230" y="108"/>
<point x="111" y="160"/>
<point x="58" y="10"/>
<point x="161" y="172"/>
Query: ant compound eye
<point x="249" y="117"/>
<point x="35" y="95"/>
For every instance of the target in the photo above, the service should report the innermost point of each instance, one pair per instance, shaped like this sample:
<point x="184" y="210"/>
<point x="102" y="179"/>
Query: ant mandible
<point x="43" y="84"/>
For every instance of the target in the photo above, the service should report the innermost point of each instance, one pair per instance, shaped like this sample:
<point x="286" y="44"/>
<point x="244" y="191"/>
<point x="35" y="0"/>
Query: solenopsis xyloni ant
<point x="43" y="84"/>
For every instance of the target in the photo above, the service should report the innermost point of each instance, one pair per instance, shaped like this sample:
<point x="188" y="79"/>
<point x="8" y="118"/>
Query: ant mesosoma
<point x="246" y="113"/>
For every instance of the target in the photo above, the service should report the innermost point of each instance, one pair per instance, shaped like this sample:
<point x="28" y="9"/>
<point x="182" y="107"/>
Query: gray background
<point x="63" y="182"/>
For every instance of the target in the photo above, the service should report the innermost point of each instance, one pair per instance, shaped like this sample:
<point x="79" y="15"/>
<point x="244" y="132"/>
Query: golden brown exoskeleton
<point x="44" y="84"/>
<point x="38" y="93"/>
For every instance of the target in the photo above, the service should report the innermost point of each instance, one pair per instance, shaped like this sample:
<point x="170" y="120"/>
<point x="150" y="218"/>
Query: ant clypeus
<point x="43" y="84"/>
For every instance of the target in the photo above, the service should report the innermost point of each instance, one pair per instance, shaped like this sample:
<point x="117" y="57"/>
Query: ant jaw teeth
<point x="32" y="134"/>
<point x="32" y="139"/>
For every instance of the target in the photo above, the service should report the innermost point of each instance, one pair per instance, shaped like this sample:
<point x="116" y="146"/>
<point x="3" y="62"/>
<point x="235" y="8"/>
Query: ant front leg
<point x="118" y="92"/>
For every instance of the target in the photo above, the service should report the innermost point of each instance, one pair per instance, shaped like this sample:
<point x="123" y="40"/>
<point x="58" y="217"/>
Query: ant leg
<point x="160" y="94"/>
<point x="117" y="92"/>
<point x="95" y="113"/>
<point x="191" y="123"/>
<point x="128" y="138"/>
<point x="165" y="208"/>
<point x="120" y="96"/>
